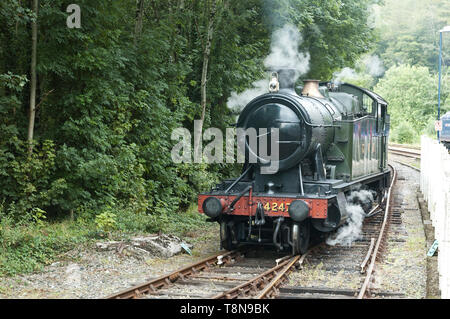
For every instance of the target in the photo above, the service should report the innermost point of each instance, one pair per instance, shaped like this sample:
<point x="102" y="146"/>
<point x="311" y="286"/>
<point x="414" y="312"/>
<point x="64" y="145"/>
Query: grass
<point x="27" y="248"/>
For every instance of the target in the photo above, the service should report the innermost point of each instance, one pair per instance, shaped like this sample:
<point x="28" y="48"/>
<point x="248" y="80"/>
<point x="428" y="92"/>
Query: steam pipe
<point x="238" y="197"/>
<point x="318" y="159"/>
<point x="238" y="179"/>
<point x="301" y="178"/>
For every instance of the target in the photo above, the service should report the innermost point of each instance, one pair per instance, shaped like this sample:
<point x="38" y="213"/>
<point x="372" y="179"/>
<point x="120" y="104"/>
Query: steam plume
<point x="367" y="64"/>
<point x="237" y="101"/>
<point x="284" y="53"/>
<point x="352" y="230"/>
<point x="345" y="73"/>
<point x="373" y="65"/>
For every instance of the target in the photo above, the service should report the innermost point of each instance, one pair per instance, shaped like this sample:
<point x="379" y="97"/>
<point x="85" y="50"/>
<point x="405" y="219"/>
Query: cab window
<point x="367" y="104"/>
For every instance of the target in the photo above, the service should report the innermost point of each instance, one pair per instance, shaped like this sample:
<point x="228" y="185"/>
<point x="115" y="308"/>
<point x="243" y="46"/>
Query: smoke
<point x="367" y="65"/>
<point x="345" y="73"/>
<point x="284" y="53"/>
<point x="237" y="101"/>
<point x="352" y="230"/>
<point x="363" y="197"/>
<point x="373" y="65"/>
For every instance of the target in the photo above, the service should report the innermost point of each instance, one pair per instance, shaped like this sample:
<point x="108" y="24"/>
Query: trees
<point x="206" y="52"/>
<point x="409" y="30"/>
<point x="33" y="80"/>
<point x="335" y="33"/>
<point x="412" y="95"/>
<point x="408" y="45"/>
<point x="109" y="94"/>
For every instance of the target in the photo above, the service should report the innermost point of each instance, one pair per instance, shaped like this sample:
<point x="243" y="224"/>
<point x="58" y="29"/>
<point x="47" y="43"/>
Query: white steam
<point x="238" y="101"/>
<point x="374" y="66"/>
<point x="344" y="74"/>
<point x="352" y="230"/>
<point x="368" y="65"/>
<point x="362" y="196"/>
<point x="284" y="53"/>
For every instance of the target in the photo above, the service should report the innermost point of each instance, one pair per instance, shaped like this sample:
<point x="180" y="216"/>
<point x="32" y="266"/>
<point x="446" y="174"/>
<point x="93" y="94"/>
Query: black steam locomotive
<point x="332" y="139"/>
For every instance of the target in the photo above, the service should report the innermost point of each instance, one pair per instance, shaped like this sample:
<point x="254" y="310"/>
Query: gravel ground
<point x="403" y="269"/>
<point x="86" y="273"/>
<point x="404" y="266"/>
<point x="319" y="276"/>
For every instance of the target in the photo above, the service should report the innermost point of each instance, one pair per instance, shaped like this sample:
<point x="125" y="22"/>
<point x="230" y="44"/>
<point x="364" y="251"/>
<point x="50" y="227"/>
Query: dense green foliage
<point x="409" y="31"/>
<point x="412" y="96"/>
<point x="408" y="46"/>
<point x="110" y="93"/>
<point x="109" y="98"/>
<point x="25" y="247"/>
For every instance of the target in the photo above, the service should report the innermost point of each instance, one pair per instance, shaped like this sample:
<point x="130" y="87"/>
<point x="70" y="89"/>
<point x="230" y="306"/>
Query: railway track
<point x="409" y="153"/>
<point x="403" y="151"/>
<point x="374" y="253"/>
<point x="259" y="273"/>
<point x="225" y="275"/>
<point x="354" y="265"/>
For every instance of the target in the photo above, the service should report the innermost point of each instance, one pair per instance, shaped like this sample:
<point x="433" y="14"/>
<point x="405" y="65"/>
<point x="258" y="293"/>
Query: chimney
<point x="311" y="89"/>
<point x="287" y="78"/>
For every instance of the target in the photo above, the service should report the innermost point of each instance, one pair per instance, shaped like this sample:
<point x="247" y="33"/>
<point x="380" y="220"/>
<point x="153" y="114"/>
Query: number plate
<point x="276" y="207"/>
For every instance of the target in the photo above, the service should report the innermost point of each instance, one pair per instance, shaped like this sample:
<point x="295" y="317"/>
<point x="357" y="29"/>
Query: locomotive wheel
<point x="226" y="241"/>
<point x="301" y="233"/>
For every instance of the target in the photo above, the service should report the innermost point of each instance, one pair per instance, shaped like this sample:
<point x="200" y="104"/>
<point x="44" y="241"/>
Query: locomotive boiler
<point x="332" y="139"/>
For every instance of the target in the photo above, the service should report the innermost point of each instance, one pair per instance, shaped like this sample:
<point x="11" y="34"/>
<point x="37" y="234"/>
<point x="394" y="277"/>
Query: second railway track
<point x="405" y="151"/>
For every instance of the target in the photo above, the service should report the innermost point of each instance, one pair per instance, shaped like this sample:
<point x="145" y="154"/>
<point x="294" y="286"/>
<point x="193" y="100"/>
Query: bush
<point x="404" y="133"/>
<point x="174" y="223"/>
<point x="106" y="221"/>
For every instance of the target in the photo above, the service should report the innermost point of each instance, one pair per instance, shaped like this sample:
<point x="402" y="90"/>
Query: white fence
<point x="435" y="186"/>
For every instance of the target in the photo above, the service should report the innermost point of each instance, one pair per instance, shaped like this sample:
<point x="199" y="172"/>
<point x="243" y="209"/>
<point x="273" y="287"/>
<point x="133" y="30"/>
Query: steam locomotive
<point x="332" y="139"/>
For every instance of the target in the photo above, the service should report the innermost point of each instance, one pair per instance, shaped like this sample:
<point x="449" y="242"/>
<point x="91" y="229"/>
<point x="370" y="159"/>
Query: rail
<point x="165" y="280"/>
<point x="408" y="152"/>
<point x="381" y="237"/>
